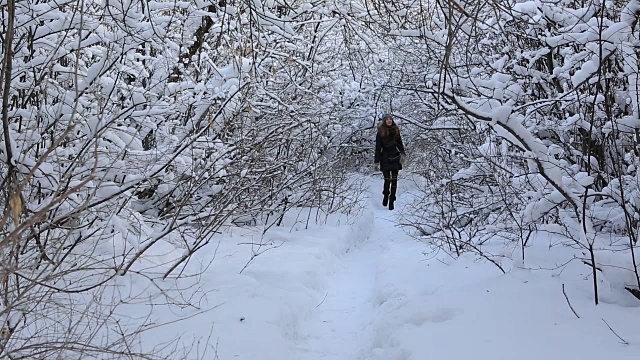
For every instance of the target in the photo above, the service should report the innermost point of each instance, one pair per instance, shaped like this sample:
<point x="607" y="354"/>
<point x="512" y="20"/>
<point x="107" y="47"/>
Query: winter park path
<point x="342" y="328"/>
<point x="349" y="323"/>
<point x="369" y="291"/>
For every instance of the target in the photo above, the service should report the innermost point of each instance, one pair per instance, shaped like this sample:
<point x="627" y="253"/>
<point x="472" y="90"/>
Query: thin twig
<point x="614" y="333"/>
<point x="568" y="302"/>
<point x="325" y="298"/>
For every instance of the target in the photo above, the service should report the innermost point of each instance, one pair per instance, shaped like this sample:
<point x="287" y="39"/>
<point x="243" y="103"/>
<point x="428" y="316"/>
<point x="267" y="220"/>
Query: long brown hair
<point x="388" y="132"/>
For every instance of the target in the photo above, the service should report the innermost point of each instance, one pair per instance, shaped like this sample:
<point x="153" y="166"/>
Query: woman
<point x="389" y="157"/>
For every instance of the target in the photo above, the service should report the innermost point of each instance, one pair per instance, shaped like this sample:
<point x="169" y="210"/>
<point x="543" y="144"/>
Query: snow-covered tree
<point x="133" y="131"/>
<point x="544" y="95"/>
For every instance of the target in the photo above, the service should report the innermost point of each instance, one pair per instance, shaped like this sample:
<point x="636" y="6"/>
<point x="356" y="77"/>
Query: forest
<point x="134" y="131"/>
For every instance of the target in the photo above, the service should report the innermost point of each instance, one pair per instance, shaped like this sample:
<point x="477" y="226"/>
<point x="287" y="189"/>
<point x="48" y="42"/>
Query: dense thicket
<point x="134" y="130"/>
<point x="535" y="127"/>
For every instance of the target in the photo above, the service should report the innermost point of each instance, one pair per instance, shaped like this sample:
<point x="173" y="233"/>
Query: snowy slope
<point x="363" y="289"/>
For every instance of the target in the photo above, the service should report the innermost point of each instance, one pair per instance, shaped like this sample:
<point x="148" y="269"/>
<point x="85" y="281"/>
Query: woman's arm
<point x="400" y="144"/>
<point x="378" y="154"/>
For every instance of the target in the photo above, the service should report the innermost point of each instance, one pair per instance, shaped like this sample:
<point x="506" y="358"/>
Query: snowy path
<point x="342" y="327"/>
<point x="339" y="329"/>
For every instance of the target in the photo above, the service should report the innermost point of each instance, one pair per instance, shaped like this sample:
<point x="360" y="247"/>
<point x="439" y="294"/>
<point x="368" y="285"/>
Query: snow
<point x="107" y="190"/>
<point x="361" y="288"/>
<point x="354" y="287"/>
<point x="588" y="69"/>
<point x="528" y="7"/>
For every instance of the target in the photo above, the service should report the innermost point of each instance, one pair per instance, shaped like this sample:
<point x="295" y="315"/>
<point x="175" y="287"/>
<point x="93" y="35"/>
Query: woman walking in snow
<point x="389" y="157"/>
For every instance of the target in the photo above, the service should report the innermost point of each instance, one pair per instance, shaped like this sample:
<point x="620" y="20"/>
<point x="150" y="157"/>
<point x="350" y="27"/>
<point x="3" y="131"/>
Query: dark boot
<point x="393" y="187"/>
<point x="392" y="195"/>
<point x="385" y="199"/>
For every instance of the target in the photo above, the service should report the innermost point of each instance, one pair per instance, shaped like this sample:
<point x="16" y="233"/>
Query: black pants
<point x="390" y="183"/>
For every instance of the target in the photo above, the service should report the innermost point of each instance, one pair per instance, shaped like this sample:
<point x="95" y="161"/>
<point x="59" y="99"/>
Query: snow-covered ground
<point x="361" y="288"/>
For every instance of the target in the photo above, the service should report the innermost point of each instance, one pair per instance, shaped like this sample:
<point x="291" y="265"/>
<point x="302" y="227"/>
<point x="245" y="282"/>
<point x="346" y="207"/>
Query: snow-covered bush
<point x="556" y="83"/>
<point x="134" y="130"/>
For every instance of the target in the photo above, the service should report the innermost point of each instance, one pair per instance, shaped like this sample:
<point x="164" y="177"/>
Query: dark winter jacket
<point x="389" y="147"/>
